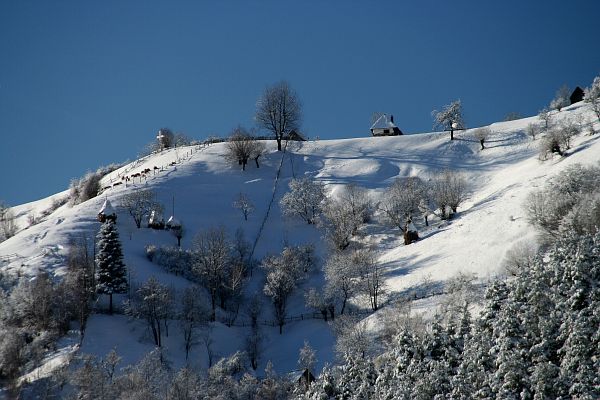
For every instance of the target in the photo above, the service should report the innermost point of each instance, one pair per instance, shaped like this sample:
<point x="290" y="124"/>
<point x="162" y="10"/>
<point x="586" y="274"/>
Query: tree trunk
<point x="426" y="221"/>
<point x="481" y="142"/>
<point x="281" y="328"/>
<point x="256" y="161"/>
<point x="451" y="133"/>
<point x="278" y="138"/>
<point x="110" y="307"/>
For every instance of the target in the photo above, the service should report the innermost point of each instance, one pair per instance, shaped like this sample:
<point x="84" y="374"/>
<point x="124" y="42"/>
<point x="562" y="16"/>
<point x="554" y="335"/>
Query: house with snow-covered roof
<point x="384" y="126"/>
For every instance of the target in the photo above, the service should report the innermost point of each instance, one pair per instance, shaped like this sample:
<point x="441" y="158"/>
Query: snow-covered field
<point x="204" y="186"/>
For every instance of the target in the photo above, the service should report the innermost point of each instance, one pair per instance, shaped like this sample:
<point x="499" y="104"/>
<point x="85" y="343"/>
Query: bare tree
<point x="283" y="273"/>
<point x="592" y="96"/>
<point x="448" y="189"/>
<point x="357" y="200"/>
<point x="139" y="204"/>
<point x="532" y="130"/>
<point x="341" y="223"/>
<point x="352" y="337"/>
<point x="561" y="99"/>
<point x="8" y="227"/>
<point x="240" y="146"/>
<point x="371" y="273"/>
<point x="152" y="303"/>
<point x="279" y="110"/>
<point x="545" y="116"/>
<point x="450" y="118"/>
<point x="402" y="199"/>
<point x="304" y="199"/>
<point x="342" y="276"/>
<point x="192" y="316"/>
<point x="482" y="134"/>
<point x="212" y="262"/>
<point x="244" y="204"/>
<point x="320" y="301"/>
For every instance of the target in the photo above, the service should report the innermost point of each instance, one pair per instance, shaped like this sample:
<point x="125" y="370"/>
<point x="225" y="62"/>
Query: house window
<point x="386" y="131"/>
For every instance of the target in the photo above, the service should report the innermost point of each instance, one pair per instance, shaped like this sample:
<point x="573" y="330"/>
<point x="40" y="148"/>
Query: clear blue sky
<point x="87" y="83"/>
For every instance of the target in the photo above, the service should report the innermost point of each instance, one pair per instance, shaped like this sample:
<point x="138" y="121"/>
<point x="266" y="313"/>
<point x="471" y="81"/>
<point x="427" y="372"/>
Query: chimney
<point x="392" y="119"/>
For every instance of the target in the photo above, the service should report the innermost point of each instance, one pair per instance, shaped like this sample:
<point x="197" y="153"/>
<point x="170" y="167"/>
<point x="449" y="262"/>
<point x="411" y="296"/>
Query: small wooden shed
<point x="577" y="95"/>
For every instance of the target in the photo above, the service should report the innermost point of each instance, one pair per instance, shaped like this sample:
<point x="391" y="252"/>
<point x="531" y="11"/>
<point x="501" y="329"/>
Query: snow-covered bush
<point x="519" y="257"/>
<point x="173" y="259"/>
<point x="84" y="188"/>
<point x="304" y="200"/>
<point x="558" y="140"/>
<point x="574" y="191"/>
<point x="88" y="186"/>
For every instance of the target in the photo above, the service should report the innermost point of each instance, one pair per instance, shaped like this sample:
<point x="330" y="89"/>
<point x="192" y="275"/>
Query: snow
<point x="204" y="185"/>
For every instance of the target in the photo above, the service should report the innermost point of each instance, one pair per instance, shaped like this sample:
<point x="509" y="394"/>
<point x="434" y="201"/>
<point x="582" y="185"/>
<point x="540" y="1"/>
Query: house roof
<point x="383" y="122"/>
<point x="173" y="222"/>
<point x="107" y="208"/>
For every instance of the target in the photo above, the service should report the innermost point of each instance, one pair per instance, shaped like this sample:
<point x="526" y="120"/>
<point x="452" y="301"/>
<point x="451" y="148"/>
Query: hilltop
<point x="204" y="185"/>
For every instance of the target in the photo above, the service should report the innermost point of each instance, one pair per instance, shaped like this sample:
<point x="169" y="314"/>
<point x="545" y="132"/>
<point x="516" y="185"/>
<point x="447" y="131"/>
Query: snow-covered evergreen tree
<point x="111" y="273"/>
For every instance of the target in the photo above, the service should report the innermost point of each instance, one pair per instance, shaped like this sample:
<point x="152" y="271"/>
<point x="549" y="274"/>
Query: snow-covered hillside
<point x="204" y="185"/>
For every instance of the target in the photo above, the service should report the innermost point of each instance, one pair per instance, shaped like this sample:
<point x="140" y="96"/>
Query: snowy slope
<point x="204" y="185"/>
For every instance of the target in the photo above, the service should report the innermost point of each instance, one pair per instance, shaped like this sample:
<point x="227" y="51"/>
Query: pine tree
<point x="111" y="274"/>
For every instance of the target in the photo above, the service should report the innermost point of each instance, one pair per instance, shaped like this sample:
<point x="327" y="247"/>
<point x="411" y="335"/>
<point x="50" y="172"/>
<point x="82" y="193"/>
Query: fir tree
<point x="111" y="274"/>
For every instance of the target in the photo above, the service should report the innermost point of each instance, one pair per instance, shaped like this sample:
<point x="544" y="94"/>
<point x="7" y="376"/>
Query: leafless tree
<point x="304" y="199"/>
<point x="342" y="276"/>
<point x="532" y="130"/>
<point x="244" y="204"/>
<point x="212" y="262"/>
<point x="139" y="204"/>
<point x="561" y="99"/>
<point x="152" y="303"/>
<point x="8" y="227"/>
<point x="519" y="257"/>
<point x="279" y="110"/>
<point x="592" y="96"/>
<point x="371" y="273"/>
<point x="239" y="146"/>
<point x="448" y="189"/>
<point x="482" y="134"/>
<point x="352" y="337"/>
<point x="402" y="199"/>
<point x="450" y="118"/>
<point x="192" y="316"/>
<point x="360" y="206"/>
<point x="545" y="116"/>
<point x="341" y="223"/>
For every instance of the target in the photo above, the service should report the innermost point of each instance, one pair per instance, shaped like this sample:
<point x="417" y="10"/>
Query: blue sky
<point x="84" y="84"/>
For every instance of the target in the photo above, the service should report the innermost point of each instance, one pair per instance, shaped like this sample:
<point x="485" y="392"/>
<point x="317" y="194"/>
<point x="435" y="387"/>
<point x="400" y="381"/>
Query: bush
<point x="88" y="186"/>
<point x="172" y="259"/>
<point x="570" y="201"/>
